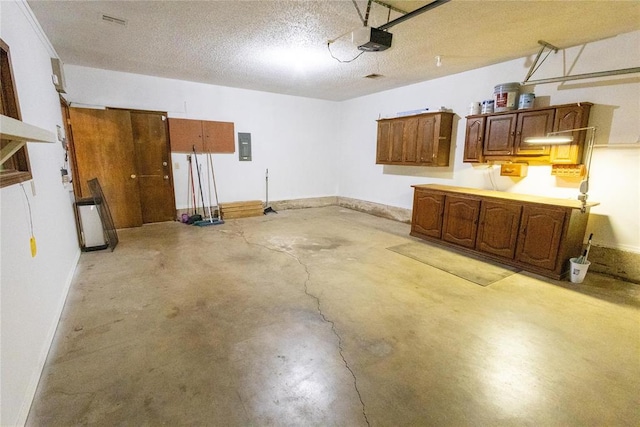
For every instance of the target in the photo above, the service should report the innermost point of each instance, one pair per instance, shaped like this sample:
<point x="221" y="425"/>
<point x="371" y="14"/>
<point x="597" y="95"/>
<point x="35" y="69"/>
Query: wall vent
<point x="113" y="20"/>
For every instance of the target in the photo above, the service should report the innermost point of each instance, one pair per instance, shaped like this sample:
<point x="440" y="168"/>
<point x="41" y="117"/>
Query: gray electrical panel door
<point x="244" y="146"/>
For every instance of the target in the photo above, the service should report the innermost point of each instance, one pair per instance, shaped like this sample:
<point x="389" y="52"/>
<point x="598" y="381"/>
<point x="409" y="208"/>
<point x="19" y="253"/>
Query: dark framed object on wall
<point x="16" y="169"/>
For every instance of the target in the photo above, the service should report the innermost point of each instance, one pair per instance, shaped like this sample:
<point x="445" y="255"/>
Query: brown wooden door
<point x="533" y="123"/>
<point x="103" y="146"/>
<point x="460" y="223"/>
<point x="540" y="234"/>
<point x="473" y="140"/>
<point x="427" y="213"/>
<point x="499" y="135"/>
<point x="383" y="154"/>
<point x="498" y="228"/>
<point x="153" y="166"/>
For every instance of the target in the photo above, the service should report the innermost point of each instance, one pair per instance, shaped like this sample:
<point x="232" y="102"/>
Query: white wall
<point x="33" y="289"/>
<point x="295" y="138"/>
<point x="615" y="180"/>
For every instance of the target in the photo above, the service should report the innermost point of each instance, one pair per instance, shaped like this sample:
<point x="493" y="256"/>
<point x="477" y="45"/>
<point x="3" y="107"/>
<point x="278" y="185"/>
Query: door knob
<point x="166" y="177"/>
<point x="164" y="163"/>
<point x="133" y="176"/>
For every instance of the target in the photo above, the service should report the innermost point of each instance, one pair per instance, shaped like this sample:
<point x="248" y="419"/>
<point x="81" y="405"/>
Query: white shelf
<point x="18" y="133"/>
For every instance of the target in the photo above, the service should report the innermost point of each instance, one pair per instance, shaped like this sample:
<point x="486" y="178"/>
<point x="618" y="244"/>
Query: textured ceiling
<point x="281" y="46"/>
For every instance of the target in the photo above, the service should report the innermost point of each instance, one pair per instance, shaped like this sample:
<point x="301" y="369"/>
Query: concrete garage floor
<point x="305" y="318"/>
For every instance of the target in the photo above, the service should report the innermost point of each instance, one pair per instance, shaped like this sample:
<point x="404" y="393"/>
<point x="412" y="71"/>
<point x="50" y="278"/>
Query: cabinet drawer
<point x="514" y="169"/>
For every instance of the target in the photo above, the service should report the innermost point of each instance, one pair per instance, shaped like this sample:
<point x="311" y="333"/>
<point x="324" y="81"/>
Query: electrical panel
<point x="244" y="146"/>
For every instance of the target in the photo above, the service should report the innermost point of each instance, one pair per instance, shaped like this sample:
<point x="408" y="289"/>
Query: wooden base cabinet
<point x="533" y="233"/>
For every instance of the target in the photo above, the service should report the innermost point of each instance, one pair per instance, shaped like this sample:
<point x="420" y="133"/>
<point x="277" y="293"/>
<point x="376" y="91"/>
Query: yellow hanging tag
<point x="34" y="249"/>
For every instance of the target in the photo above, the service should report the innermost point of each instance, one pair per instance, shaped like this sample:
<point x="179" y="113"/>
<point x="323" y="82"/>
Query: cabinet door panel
<point x="428" y="138"/>
<point x="540" y="234"/>
<point x="219" y="137"/>
<point x="460" y="222"/>
<point x="397" y="144"/>
<point x="566" y="118"/>
<point x="533" y="123"/>
<point x="184" y="134"/>
<point x="498" y="228"/>
<point x="383" y="154"/>
<point x="410" y="152"/>
<point x="499" y="135"/>
<point x="427" y="213"/>
<point x="473" y="140"/>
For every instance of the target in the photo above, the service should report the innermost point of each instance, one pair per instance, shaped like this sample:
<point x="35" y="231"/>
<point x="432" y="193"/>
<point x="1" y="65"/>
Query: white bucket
<point x="526" y="101"/>
<point x="578" y="271"/>
<point x="474" y="108"/>
<point x="487" y="106"/>
<point x="505" y="97"/>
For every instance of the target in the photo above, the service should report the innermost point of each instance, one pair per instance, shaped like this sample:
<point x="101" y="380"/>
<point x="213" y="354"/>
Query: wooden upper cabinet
<point x="499" y="135"/>
<point x="541" y="229"/>
<point x="420" y="140"/>
<point x="473" y="140"/>
<point x="460" y="223"/>
<point x="428" y="208"/>
<point x="570" y="117"/>
<point x="206" y="136"/>
<point x="533" y="123"/>
<point x="498" y="228"/>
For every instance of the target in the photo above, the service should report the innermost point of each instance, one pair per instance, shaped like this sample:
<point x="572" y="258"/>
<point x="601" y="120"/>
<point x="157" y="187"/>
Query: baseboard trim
<point x="30" y="394"/>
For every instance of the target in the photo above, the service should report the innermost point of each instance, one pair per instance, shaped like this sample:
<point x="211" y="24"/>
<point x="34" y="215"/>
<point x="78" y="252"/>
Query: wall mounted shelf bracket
<point x="534" y="66"/>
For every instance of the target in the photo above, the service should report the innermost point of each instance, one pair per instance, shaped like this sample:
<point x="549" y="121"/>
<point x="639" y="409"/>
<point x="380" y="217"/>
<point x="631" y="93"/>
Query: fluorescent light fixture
<point x="549" y="139"/>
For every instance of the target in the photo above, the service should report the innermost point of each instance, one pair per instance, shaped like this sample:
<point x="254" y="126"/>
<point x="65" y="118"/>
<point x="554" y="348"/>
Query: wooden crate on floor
<point x="242" y="209"/>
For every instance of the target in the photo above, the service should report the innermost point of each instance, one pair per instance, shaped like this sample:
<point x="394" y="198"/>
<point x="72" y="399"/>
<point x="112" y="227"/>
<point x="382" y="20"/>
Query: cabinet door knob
<point x="166" y="177"/>
<point x="133" y="176"/>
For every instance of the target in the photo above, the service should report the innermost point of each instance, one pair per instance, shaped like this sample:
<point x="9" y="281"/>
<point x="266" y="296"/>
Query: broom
<point x="583" y="259"/>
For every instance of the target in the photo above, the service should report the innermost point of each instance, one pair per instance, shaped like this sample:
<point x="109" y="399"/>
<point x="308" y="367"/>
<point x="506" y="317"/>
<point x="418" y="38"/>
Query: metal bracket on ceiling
<point x="390" y="7"/>
<point x="552" y="48"/>
<point x="534" y="66"/>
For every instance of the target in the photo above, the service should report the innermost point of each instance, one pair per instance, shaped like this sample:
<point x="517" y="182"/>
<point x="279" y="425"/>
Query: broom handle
<point x="215" y="188"/>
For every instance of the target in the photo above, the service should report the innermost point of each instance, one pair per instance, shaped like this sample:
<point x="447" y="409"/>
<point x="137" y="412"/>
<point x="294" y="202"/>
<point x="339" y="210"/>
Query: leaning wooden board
<point x="242" y="209"/>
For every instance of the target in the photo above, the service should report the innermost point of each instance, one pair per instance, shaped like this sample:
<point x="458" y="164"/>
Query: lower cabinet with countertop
<point x="536" y="234"/>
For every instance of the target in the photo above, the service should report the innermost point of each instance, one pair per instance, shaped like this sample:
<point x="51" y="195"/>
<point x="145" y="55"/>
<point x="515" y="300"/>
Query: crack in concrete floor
<point x="320" y="312"/>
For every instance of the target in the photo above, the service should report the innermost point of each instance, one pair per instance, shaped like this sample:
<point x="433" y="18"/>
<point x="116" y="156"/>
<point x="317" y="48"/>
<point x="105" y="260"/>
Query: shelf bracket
<point x="534" y="66"/>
